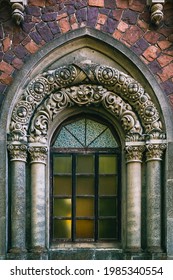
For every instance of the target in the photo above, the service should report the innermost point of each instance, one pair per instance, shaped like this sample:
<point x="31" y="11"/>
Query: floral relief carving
<point x="38" y="154"/>
<point x="63" y="85"/>
<point x="134" y="153"/>
<point x="155" y="151"/>
<point x="17" y="152"/>
<point x="83" y="95"/>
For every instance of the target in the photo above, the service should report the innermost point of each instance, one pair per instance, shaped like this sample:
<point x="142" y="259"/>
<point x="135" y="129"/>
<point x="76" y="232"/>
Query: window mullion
<point x="73" y="197"/>
<point x="96" y="194"/>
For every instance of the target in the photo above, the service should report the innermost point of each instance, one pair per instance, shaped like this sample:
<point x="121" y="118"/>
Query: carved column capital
<point x="155" y="151"/>
<point x="18" y="10"/>
<point x="38" y="154"/>
<point x="134" y="152"/>
<point x="18" y="152"/>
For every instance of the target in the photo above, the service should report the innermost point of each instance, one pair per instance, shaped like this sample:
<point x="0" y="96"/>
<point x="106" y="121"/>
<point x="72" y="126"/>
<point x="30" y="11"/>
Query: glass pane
<point x="85" y="164"/>
<point x="85" y="185"/>
<point x="62" y="164"/>
<point x="62" y="207"/>
<point x="107" y="164"/>
<point x="62" y="185"/>
<point x="107" y="229"/>
<point x="108" y="185"/>
<point x="105" y="140"/>
<point x="78" y="130"/>
<point x="62" y="229"/>
<point x="84" y="207"/>
<point x="66" y="140"/>
<point x="93" y="130"/>
<point x="107" y="207"/>
<point x="84" y="229"/>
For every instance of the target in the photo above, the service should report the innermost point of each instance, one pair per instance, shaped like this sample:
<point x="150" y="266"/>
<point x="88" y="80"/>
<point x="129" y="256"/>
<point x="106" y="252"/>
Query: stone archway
<point x="85" y="85"/>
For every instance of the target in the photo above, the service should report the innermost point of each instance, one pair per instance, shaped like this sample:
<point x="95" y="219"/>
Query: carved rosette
<point x="155" y="151"/>
<point x="134" y="153"/>
<point x="83" y="95"/>
<point x="38" y="154"/>
<point x="18" y="152"/>
<point x="63" y="85"/>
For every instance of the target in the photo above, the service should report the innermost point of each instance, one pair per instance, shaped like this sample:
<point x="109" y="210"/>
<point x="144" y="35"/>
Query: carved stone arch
<point x="62" y="87"/>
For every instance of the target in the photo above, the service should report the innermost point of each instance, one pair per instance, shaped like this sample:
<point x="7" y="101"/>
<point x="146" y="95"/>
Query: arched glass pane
<point x="85" y="133"/>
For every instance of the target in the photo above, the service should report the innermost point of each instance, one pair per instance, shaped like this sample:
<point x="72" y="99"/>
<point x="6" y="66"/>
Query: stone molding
<point x="61" y="87"/>
<point x="18" y="152"/>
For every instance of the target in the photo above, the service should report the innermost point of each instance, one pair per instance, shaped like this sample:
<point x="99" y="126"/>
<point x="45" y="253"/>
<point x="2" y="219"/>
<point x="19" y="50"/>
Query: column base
<point x="154" y="249"/>
<point x="17" y="254"/>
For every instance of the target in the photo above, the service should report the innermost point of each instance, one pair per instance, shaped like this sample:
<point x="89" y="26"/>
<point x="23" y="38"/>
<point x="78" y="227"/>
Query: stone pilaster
<point x="18" y="156"/>
<point x="38" y="156"/>
<point x="134" y="159"/>
<point x="154" y="181"/>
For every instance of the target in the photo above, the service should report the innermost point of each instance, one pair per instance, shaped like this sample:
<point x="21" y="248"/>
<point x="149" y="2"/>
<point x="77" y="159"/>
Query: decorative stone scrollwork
<point x="63" y="87"/>
<point x="18" y="10"/>
<point x="134" y="153"/>
<point x="83" y="95"/>
<point x="155" y="151"/>
<point x="38" y="154"/>
<point x="17" y="152"/>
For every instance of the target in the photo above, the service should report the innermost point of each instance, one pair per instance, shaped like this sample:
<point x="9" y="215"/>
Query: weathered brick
<point x="164" y="59"/>
<point x="117" y="14"/>
<point x="44" y="31"/>
<point x="64" y="25"/>
<point x="117" y="35"/>
<point x="122" y="26"/>
<point x="151" y="53"/>
<point x="6" y="68"/>
<point x="8" y="57"/>
<point x="20" y="51"/>
<point x="81" y="15"/>
<point x="154" y="67"/>
<point x="54" y="27"/>
<point x="33" y="11"/>
<point x="137" y="5"/>
<point x="6" y="44"/>
<point x="17" y="63"/>
<point x="92" y="16"/>
<point x="96" y="3"/>
<point x="142" y="24"/>
<point x="49" y="17"/>
<point x="36" y="37"/>
<point x="40" y="3"/>
<point x="122" y="4"/>
<point x="164" y="44"/>
<point x="167" y="72"/>
<point x="110" y="26"/>
<point x="111" y="4"/>
<point x="6" y="79"/>
<point x="167" y="86"/>
<point x="152" y="37"/>
<point x="132" y="35"/>
<point x="130" y="17"/>
<point x="32" y="47"/>
<point x="102" y="19"/>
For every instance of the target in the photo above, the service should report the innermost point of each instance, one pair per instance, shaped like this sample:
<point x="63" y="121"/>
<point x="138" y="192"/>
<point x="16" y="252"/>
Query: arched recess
<point x="48" y="87"/>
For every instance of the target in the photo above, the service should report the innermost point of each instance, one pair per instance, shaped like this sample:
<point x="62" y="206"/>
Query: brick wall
<point x="126" y="20"/>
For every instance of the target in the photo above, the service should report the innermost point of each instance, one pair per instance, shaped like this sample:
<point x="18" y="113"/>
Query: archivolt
<point x="84" y="85"/>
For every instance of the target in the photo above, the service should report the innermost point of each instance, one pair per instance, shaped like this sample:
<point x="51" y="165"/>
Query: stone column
<point x="154" y="179"/>
<point x="134" y="160"/>
<point x="18" y="156"/>
<point x="38" y="200"/>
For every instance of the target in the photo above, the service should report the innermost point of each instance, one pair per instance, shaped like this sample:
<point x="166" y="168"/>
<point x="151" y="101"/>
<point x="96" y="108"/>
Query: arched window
<point x="85" y="183"/>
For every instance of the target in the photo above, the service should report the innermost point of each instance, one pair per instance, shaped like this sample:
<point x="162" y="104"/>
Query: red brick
<point x="167" y="72"/>
<point x="6" y="79"/>
<point x="96" y="3"/>
<point x="152" y="37"/>
<point x="136" y="5"/>
<point x="117" y="35"/>
<point x="60" y="16"/>
<point x="133" y="34"/>
<point x="64" y="25"/>
<point x="151" y="53"/>
<point x="164" y="44"/>
<point x="5" y="67"/>
<point x="101" y="19"/>
<point x="164" y="60"/>
<point x="122" y="26"/>
<point x="40" y="3"/>
<point x="32" y="47"/>
<point x="122" y="4"/>
<point x="6" y="44"/>
<point x="117" y="14"/>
